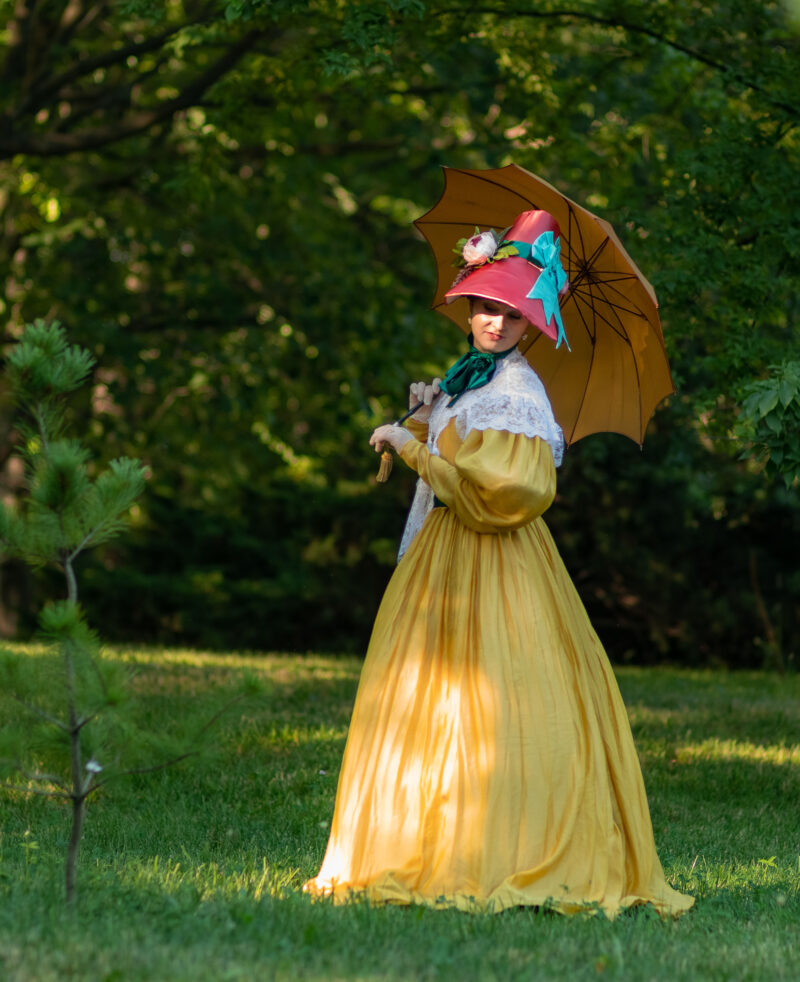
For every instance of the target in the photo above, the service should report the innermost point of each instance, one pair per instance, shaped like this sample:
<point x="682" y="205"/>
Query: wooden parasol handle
<point x="386" y="457"/>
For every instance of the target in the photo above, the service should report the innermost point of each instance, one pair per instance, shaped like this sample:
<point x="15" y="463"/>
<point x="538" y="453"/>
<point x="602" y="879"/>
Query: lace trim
<point x="421" y="506"/>
<point x="514" y="401"/>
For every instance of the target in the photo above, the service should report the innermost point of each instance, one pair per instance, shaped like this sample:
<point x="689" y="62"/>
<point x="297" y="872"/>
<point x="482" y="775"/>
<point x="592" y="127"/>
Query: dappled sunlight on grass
<point x="301" y="666"/>
<point x="176" y="864"/>
<point x="733" y="750"/>
<point x="289" y="738"/>
<point x="30" y="649"/>
<point x="198" y="882"/>
<point x="671" y="709"/>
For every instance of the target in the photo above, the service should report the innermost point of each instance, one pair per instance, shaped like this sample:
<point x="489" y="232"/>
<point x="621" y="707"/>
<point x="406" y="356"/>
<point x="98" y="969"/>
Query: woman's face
<point x="496" y="327"/>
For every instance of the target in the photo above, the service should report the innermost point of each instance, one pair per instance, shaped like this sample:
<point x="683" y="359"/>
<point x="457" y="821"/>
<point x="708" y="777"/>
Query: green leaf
<point x="787" y="391"/>
<point x="505" y="252"/>
<point x="767" y="401"/>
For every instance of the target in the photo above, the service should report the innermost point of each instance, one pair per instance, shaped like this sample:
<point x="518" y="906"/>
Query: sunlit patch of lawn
<point x="195" y="873"/>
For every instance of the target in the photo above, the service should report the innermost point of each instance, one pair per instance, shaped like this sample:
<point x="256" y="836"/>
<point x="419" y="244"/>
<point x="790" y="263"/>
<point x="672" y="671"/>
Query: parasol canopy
<point x="616" y="372"/>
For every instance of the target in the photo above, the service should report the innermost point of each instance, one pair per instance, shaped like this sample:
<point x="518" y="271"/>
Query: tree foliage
<point x="217" y="198"/>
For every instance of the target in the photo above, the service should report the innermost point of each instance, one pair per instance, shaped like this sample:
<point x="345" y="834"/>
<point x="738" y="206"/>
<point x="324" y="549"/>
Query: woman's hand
<point x="396" y="436"/>
<point x="420" y="392"/>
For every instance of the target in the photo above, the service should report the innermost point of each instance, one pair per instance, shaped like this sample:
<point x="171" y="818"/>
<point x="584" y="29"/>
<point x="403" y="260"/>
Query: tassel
<point x="386" y="458"/>
<point x="386" y="467"/>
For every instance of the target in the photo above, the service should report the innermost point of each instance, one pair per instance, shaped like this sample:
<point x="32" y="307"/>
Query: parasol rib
<point x="616" y="307"/>
<point x="587" y="266"/>
<point x="582" y="399"/>
<point x="636" y="310"/>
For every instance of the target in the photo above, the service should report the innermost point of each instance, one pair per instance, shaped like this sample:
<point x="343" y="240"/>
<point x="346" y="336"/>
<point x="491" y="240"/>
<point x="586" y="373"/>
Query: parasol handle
<point x="386" y="457"/>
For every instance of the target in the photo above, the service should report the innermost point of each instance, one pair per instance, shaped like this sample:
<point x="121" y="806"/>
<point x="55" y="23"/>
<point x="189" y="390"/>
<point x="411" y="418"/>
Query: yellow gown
<point x="489" y="761"/>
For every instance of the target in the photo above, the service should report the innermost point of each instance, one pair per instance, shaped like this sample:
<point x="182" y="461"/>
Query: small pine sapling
<point x="66" y="511"/>
<point x="63" y="749"/>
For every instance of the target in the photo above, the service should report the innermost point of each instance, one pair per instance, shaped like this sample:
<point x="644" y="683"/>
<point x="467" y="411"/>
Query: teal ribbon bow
<point x="545" y="252"/>
<point x="471" y="371"/>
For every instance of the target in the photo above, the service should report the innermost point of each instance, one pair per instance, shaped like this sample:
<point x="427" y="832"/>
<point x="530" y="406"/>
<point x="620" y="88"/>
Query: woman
<point x="489" y="762"/>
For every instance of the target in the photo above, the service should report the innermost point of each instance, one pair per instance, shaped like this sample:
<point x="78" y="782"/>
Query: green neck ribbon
<point x="472" y="371"/>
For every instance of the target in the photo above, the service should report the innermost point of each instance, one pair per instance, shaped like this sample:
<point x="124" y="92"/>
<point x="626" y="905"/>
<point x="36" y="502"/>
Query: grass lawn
<point x="194" y="873"/>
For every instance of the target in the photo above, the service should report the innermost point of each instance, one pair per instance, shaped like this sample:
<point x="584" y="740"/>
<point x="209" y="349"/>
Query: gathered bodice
<point x="513" y="402"/>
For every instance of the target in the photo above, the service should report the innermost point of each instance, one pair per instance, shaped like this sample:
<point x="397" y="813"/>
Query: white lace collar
<point x="513" y="400"/>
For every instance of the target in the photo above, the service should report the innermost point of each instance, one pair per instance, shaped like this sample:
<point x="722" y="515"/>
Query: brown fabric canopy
<point x="617" y="371"/>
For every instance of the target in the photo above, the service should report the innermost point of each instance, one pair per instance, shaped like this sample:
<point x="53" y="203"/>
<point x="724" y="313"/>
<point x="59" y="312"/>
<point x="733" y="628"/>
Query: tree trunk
<point x="78" y="804"/>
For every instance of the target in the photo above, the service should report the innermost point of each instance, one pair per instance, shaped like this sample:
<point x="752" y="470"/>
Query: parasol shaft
<point x="404" y="417"/>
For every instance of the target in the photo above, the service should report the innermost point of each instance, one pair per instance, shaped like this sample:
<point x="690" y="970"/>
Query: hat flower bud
<point x="479" y="249"/>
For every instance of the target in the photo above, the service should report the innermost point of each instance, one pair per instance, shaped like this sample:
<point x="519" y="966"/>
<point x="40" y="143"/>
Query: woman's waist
<point x="441" y="509"/>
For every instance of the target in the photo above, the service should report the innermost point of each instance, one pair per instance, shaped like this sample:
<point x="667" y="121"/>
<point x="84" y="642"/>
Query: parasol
<point x="617" y="371"/>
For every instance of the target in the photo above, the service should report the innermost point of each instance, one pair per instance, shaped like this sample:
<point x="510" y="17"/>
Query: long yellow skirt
<point x="490" y="762"/>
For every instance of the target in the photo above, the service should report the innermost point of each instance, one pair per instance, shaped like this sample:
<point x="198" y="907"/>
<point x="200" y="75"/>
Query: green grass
<point x="195" y="873"/>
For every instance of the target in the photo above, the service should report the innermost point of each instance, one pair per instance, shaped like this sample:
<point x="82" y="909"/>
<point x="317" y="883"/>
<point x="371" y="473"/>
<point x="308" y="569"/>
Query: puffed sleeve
<point x="417" y="429"/>
<point x="498" y="481"/>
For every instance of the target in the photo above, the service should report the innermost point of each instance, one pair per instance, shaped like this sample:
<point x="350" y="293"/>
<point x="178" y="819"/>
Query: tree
<point x="255" y="285"/>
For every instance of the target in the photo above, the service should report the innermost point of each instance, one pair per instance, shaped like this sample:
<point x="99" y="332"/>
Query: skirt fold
<point x="490" y="761"/>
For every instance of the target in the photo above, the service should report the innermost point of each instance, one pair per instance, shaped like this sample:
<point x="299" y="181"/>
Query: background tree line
<point x="216" y="198"/>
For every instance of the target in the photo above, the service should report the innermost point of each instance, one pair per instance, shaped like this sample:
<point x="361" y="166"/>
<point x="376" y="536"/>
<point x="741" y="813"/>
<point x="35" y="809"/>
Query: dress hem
<point x="500" y="900"/>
